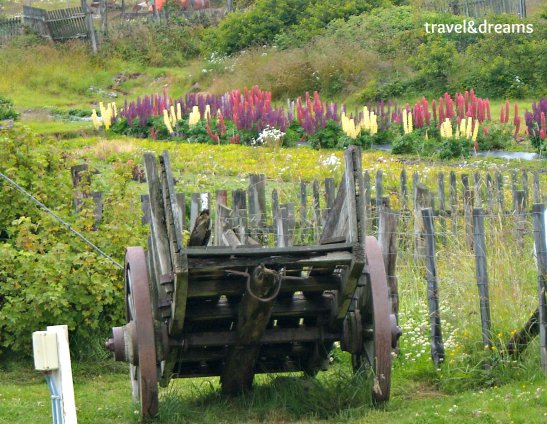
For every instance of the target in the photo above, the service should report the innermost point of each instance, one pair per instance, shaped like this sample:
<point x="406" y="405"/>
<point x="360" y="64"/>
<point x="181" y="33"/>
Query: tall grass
<point x="62" y="75"/>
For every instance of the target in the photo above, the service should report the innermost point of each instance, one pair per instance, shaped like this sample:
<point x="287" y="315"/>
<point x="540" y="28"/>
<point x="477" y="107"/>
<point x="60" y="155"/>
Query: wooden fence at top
<point x="10" y="27"/>
<point x="478" y="8"/>
<point x="57" y="25"/>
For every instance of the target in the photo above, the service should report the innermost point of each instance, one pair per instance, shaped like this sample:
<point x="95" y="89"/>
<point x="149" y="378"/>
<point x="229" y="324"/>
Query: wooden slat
<point x="223" y="310"/>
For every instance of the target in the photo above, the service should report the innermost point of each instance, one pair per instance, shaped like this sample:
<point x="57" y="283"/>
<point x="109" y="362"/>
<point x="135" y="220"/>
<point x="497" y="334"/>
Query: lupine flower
<point x="194" y="116"/>
<point x="167" y="121"/>
<point x="97" y="123"/>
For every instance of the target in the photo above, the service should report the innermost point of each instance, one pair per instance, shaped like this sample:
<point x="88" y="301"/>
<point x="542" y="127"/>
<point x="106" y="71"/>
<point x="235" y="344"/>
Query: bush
<point x="7" y="111"/>
<point x="455" y="148"/>
<point x="47" y="275"/>
<point x="293" y="22"/>
<point x="154" y="44"/>
<point x="327" y="137"/>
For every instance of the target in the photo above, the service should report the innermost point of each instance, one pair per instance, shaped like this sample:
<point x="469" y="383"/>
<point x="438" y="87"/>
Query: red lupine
<point x="488" y="115"/>
<point x="502" y="115"/>
<point x="434" y="108"/>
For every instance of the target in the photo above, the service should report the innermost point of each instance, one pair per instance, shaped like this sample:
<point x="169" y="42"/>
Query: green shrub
<point x="287" y="22"/>
<point x="293" y="134"/>
<point x="48" y="276"/>
<point x="407" y="143"/>
<point x="7" y="110"/>
<point x="327" y="137"/>
<point x="455" y="148"/>
<point x="499" y="137"/>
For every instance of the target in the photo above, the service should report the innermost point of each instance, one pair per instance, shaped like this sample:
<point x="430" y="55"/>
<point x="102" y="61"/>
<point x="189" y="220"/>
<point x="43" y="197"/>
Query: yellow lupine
<point x="349" y="127"/>
<point x="463" y="127"/>
<point x="366" y="118"/>
<point x="97" y="123"/>
<point x="167" y="121"/>
<point x="469" y="124"/>
<point x="173" y="115"/>
<point x="194" y="117"/>
<point x="207" y="114"/>
<point x="476" y="130"/>
<point x="179" y="112"/>
<point x="410" y="125"/>
<point x="446" y="128"/>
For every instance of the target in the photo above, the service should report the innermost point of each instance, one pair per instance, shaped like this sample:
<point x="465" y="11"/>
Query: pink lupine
<point x="517" y="127"/>
<point x="543" y="129"/>
<point x="434" y="108"/>
<point x="221" y="123"/>
<point x="488" y="115"/>
<point x="516" y="110"/>
<point x="485" y="129"/>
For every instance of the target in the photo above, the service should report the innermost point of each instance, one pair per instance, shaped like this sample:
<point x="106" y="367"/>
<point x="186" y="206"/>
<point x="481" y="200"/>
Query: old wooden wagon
<point x="242" y="308"/>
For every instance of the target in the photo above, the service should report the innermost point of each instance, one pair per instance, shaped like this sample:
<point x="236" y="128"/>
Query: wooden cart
<point x="234" y="311"/>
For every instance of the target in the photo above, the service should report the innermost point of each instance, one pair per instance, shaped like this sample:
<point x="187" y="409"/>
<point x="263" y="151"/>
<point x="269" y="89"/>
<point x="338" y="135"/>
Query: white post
<point x="63" y="376"/>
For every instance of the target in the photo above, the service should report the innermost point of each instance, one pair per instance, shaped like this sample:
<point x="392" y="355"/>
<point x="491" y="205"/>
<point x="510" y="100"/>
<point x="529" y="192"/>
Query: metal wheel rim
<point x="373" y="302"/>
<point x="144" y="379"/>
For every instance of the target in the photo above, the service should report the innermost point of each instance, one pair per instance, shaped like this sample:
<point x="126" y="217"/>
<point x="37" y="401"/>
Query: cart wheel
<point x="374" y="308"/>
<point x="142" y="351"/>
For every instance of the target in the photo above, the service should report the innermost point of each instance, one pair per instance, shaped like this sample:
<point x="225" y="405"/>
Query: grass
<point x="104" y="396"/>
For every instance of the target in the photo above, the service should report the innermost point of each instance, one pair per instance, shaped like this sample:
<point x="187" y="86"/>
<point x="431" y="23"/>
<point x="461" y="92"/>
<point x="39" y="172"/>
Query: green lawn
<point x="104" y="396"/>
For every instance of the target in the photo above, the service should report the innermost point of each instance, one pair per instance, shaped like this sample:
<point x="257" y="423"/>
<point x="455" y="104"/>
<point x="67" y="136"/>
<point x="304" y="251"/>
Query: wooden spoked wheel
<point x="140" y="329"/>
<point x="374" y="309"/>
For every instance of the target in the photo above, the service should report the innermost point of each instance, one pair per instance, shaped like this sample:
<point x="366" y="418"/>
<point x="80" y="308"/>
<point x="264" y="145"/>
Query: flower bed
<point x="446" y="127"/>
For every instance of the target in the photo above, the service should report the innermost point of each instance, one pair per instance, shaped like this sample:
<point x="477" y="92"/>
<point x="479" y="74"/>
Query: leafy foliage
<point x="289" y="22"/>
<point x="328" y="136"/>
<point x="7" y="110"/>
<point x="48" y="276"/>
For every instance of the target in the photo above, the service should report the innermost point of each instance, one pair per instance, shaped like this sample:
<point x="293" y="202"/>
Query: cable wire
<point x="59" y="219"/>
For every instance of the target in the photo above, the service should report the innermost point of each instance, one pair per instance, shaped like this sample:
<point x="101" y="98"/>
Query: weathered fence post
<point x="257" y="204"/>
<point x="422" y="199"/>
<point x="222" y="216"/>
<point x="453" y="202"/>
<point x="437" y="345"/>
<point x="490" y="193"/>
<point x="520" y="220"/>
<point x="479" y="247"/>
<point x="477" y="190"/>
<point x="404" y="191"/>
<point x="540" y="240"/>
<point x="239" y="210"/>
<point x="525" y="188"/>
<point x="536" y="189"/>
<point x="329" y="196"/>
<point x="303" y="212"/>
<point x="442" y="206"/>
<point x="90" y="28"/>
<point x="501" y="197"/>
<point x="467" y="210"/>
<point x="317" y="221"/>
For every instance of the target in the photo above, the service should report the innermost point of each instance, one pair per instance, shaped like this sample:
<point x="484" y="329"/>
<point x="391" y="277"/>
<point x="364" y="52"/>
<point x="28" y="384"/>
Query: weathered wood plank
<point x="437" y="345"/>
<point x="479" y="248"/>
